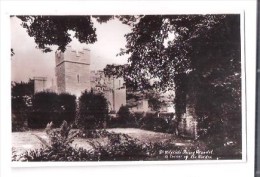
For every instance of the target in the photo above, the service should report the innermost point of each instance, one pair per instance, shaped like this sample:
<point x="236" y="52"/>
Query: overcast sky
<point x="29" y="62"/>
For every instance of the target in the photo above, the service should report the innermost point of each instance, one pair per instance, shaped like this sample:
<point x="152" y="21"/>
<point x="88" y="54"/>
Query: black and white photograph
<point x="155" y="87"/>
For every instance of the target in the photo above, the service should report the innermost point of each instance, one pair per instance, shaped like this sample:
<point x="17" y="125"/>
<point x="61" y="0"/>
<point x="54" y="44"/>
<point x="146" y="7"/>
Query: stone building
<point x="74" y="76"/>
<point x="73" y="71"/>
<point x="113" y="89"/>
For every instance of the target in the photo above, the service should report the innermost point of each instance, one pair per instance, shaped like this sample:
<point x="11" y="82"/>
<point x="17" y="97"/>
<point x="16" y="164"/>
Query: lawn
<point x="22" y="141"/>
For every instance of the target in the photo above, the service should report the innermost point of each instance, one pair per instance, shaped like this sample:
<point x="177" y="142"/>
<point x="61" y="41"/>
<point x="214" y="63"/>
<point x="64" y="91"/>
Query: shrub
<point x="224" y="148"/>
<point x="70" y="154"/>
<point x="93" y="110"/>
<point x="57" y="148"/>
<point x="19" y="121"/>
<point x="68" y="104"/>
<point x="121" y="147"/>
<point x="94" y="133"/>
<point x="151" y="122"/>
<point x="124" y="114"/>
<point x="52" y="107"/>
<point x="124" y="118"/>
<point x="21" y="103"/>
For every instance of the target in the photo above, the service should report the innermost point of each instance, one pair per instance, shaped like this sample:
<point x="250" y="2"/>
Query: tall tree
<point x="198" y="56"/>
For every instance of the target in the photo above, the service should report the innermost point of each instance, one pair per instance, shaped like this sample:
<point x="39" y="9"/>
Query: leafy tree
<point x="93" y="110"/>
<point x="124" y="71"/>
<point x="54" y="30"/>
<point x="115" y="70"/>
<point x="198" y="56"/>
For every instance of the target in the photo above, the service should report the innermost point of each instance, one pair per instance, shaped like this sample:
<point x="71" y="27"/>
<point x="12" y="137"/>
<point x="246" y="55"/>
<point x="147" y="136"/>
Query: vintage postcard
<point x="112" y="88"/>
<point x="155" y="87"/>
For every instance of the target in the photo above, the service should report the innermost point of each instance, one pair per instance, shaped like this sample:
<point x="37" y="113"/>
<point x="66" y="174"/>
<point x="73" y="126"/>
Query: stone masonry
<point x="113" y="89"/>
<point x="73" y="71"/>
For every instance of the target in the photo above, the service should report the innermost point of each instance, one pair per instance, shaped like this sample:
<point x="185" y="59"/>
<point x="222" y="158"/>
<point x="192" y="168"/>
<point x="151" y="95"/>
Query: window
<point x="78" y="78"/>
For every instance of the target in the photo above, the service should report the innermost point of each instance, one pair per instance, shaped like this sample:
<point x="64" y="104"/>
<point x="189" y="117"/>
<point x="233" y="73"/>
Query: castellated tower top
<point x="72" y="55"/>
<point x="73" y="71"/>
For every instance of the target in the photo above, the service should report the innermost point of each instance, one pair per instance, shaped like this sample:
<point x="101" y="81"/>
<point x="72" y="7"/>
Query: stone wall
<point x="73" y="71"/>
<point x="120" y="98"/>
<point x="113" y="89"/>
<point x="76" y="78"/>
<point x="39" y="84"/>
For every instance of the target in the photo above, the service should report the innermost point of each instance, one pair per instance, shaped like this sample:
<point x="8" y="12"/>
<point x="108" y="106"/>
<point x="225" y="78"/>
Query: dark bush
<point x="21" y="104"/>
<point x="69" y="154"/>
<point x="224" y="148"/>
<point x="138" y="115"/>
<point x="149" y="121"/>
<point x="20" y="113"/>
<point x="124" y="115"/>
<point x="124" y="118"/>
<point x="121" y="147"/>
<point x="68" y="105"/>
<point x="19" y="121"/>
<point x="93" y="110"/>
<point x="51" y="107"/>
<point x="154" y="123"/>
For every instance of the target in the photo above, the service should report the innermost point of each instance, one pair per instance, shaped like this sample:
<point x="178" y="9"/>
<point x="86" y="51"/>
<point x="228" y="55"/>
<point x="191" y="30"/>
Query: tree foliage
<point x="52" y="107"/>
<point x="20" y="89"/>
<point x="93" y="110"/>
<point x="125" y="72"/>
<point x="125" y="117"/>
<point x="21" y="95"/>
<point x="54" y="30"/>
<point x="155" y="103"/>
<point x="198" y="56"/>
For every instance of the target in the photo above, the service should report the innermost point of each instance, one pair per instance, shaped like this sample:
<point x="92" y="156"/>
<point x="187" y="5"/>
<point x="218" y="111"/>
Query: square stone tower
<point x="73" y="71"/>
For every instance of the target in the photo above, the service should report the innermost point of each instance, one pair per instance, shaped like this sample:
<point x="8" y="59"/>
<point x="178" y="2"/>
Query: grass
<point x="22" y="141"/>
